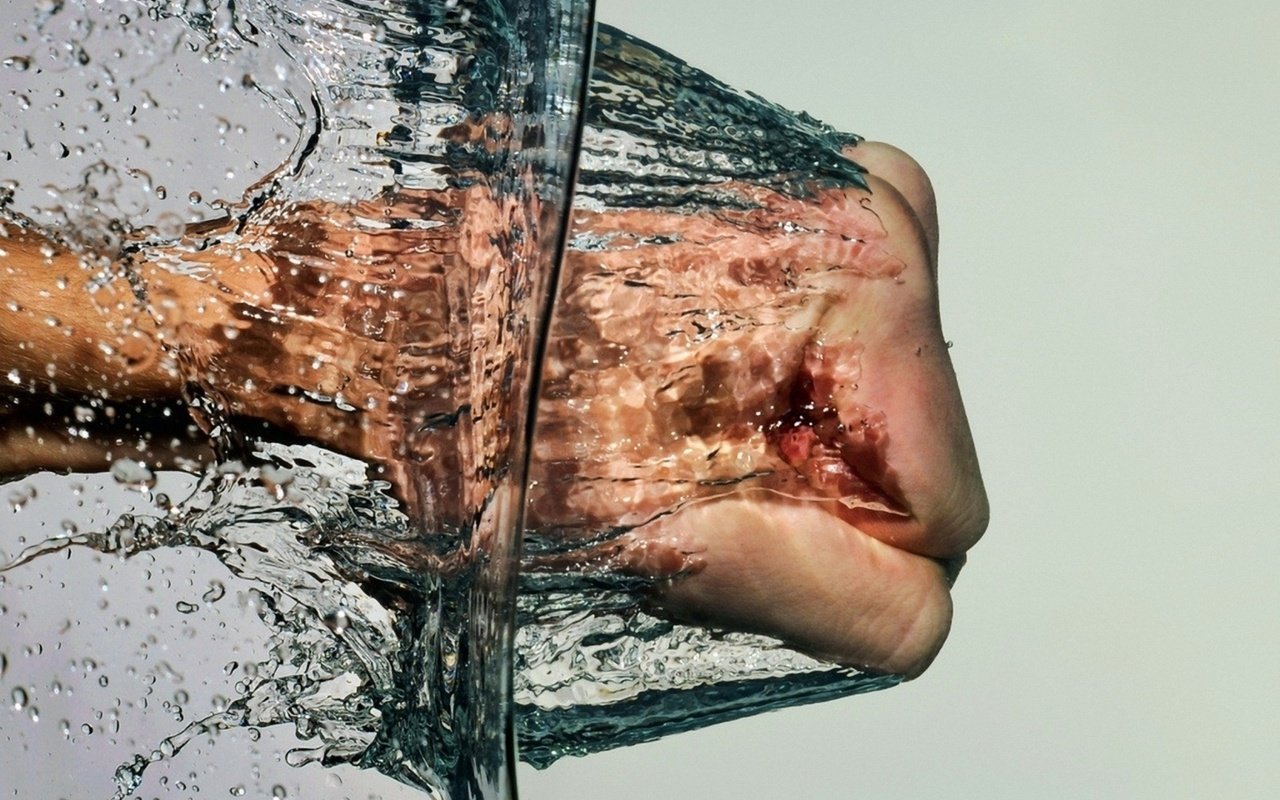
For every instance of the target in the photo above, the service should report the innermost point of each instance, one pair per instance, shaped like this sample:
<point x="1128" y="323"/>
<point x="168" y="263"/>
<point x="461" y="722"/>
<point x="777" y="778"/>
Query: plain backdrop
<point x="1107" y="181"/>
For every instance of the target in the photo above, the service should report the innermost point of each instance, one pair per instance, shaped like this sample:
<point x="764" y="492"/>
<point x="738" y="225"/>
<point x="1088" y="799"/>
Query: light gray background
<point x="1107" y="181"/>
<point x="1107" y="177"/>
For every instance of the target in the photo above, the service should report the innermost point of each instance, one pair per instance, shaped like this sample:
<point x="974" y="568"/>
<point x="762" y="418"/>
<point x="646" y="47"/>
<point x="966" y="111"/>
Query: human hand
<point x="805" y="469"/>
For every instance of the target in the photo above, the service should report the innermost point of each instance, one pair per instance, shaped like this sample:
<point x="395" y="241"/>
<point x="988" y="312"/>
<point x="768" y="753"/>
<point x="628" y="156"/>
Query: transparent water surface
<point x="302" y="375"/>
<point x="345" y="308"/>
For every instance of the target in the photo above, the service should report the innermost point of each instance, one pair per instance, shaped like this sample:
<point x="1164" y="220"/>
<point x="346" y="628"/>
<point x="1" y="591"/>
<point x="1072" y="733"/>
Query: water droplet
<point x="237" y="791"/>
<point x="59" y="150"/>
<point x="168" y="224"/>
<point x="19" y="698"/>
<point x="215" y="592"/>
<point x="14" y="376"/>
<point x="162" y="192"/>
<point x="132" y="474"/>
<point x="47" y="8"/>
<point x="86" y="729"/>
<point x="337" y="621"/>
<point x="278" y="792"/>
<point x="20" y="63"/>
<point x="194" y="198"/>
<point x="276" y="479"/>
<point x="18" y="500"/>
<point x="184" y="607"/>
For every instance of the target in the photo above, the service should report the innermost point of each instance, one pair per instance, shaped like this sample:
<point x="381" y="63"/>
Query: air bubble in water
<point x="278" y="792"/>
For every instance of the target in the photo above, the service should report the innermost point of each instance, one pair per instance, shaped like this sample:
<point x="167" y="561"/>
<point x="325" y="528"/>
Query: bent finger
<point x="792" y="570"/>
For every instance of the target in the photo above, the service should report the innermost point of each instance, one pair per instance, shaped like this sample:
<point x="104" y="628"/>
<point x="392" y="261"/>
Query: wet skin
<point x="865" y="584"/>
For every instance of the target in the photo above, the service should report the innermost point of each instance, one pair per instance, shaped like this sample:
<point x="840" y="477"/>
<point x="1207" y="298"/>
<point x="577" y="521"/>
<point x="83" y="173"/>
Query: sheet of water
<point x="275" y="623"/>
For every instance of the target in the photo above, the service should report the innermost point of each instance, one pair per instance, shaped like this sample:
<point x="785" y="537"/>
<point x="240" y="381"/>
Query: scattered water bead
<point x="184" y="607"/>
<point x="276" y="479"/>
<point x="338" y="621"/>
<point x="168" y="224"/>
<point x="133" y="474"/>
<point x="18" y="500"/>
<point x="19" y="698"/>
<point x="278" y="792"/>
<point x="215" y="592"/>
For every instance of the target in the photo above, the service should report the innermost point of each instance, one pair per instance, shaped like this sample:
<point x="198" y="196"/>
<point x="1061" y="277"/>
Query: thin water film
<point x="700" y="366"/>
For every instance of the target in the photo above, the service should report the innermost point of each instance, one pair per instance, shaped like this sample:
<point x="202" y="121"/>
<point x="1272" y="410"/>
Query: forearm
<point x="63" y="333"/>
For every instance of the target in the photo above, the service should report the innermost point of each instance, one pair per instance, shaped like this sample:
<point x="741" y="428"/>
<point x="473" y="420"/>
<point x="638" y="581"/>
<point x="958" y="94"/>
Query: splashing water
<point x="377" y="291"/>
<point x="358" y="597"/>
<point x="706" y="221"/>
